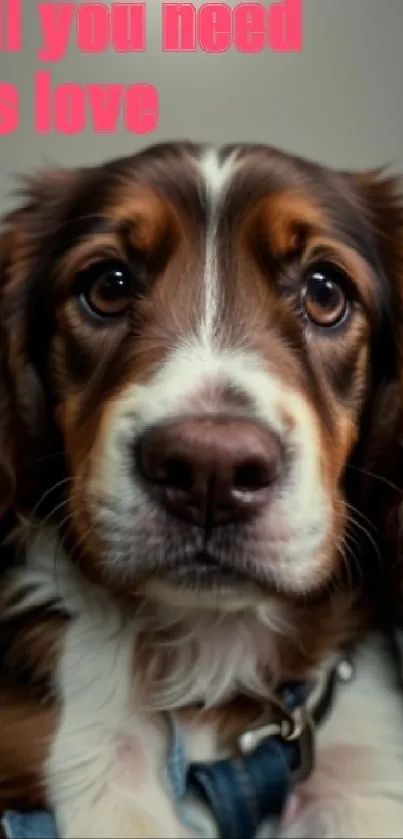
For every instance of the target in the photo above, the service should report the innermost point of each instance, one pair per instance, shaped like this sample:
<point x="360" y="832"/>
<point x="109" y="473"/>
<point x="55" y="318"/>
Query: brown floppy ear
<point x="380" y="201"/>
<point x="25" y="235"/>
<point x="381" y="458"/>
<point x="382" y="198"/>
<point x="10" y="423"/>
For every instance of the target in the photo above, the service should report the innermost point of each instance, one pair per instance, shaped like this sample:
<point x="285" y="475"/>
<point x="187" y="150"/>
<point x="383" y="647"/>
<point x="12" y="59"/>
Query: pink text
<point x="216" y="27"/>
<point x="95" y="27"/>
<point x="71" y="108"/>
<point x="9" y="108"/>
<point x="10" y="25"/>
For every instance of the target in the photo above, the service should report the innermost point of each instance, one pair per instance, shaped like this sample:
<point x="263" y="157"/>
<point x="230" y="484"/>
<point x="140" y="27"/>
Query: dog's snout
<point x="211" y="470"/>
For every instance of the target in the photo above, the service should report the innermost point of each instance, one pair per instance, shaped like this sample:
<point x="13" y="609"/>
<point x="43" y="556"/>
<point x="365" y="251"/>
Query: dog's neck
<point x="181" y="655"/>
<point x="204" y="656"/>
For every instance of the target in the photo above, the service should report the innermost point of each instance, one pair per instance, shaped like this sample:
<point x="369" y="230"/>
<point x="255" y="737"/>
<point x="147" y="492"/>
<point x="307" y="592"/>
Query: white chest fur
<point x="105" y="771"/>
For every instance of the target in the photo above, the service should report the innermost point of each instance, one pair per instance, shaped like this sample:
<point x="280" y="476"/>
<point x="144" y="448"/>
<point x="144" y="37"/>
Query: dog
<point x="200" y="393"/>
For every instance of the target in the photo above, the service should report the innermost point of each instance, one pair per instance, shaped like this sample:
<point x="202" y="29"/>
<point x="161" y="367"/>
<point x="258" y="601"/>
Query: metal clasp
<point x="296" y="726"/>
<point x="304" y="732"/>
<point x="251" y="739"/>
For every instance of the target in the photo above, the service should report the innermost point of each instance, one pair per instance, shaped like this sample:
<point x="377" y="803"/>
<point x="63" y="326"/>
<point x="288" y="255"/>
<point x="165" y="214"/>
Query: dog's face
<point x="198" y="327"/>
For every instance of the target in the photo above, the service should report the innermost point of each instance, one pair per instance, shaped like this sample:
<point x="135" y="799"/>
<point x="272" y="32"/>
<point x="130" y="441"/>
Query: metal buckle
<point x="297" y="725"/>
<point x="304" y="732"/>
<point x="251" y="739"/>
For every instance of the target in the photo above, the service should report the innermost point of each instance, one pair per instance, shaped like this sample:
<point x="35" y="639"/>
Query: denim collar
<point x="250" y="788"/>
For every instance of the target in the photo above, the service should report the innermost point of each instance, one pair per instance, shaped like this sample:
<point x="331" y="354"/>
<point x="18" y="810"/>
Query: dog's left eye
<point x="108" y="289"/>
<point x="324" y="298"/>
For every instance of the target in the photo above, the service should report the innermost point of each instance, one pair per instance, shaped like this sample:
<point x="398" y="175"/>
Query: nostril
<point x="170" y="472"/>
<point x="253" y="475"/>
<point x="177" y="474"/>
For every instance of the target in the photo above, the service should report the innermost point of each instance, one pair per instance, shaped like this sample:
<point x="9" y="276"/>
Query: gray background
<point x="339" y="101"/>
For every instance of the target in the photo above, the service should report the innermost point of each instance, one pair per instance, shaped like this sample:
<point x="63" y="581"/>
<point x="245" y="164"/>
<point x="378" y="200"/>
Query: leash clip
<point x="303" y="731"/>
<point x="295" y="726"/>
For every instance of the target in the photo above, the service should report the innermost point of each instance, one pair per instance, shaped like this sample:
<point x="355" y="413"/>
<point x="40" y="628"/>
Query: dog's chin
<point x="229" y="598"/>
<point x="204" y="584"/>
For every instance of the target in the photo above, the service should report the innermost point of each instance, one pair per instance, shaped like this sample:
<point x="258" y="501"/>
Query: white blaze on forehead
<point x="216" y="175"/>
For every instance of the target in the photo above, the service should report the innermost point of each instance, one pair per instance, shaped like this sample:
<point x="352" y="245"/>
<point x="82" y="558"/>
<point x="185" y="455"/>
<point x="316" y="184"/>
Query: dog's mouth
<point x="204" y="581"/>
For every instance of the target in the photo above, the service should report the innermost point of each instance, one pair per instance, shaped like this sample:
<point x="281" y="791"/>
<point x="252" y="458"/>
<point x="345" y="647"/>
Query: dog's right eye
<point x="325" y="301"/>
<point x="107" y="289"/>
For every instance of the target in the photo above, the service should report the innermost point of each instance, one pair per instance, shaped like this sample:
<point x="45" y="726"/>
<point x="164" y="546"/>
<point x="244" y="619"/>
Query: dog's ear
<point x="25" y="234"/>
<point x="380" y="492"/>
<point x="380" y="202"/>
<point x="12" y="268"/>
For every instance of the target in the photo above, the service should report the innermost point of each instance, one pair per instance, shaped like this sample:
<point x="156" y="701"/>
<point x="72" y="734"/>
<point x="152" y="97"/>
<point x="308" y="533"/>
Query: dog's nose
<point x="210" y="470"/>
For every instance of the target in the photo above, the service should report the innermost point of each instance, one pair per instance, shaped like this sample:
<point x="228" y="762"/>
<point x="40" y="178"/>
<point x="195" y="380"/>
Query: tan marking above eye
<point x="288" y="218"/>
<point x="93" y="249"/>
<point x="144" y="215"/>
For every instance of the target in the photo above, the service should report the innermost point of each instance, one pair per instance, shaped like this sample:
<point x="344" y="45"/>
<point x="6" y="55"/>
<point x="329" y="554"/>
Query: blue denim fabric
<point x="176" y="772"/>
<point x="33" y="825"/>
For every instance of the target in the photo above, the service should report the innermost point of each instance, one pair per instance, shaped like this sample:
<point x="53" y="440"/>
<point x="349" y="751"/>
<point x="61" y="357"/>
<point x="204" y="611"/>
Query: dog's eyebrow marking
<point x="216" y="176"/>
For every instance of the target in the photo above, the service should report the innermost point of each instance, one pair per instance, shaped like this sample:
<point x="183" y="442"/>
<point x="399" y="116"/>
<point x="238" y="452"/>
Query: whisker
<point x="371" y="541"/>
<point x="359" y="513"/>
<point x="42" y="459"/>
<point x="347" y="540"/>
<point x="48" y="492"/>
<point x="50" y="515"/>
<point x="377" y="477"/>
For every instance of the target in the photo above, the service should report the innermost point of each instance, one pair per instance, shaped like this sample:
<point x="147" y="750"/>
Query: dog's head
<point x="191" y="340"/>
